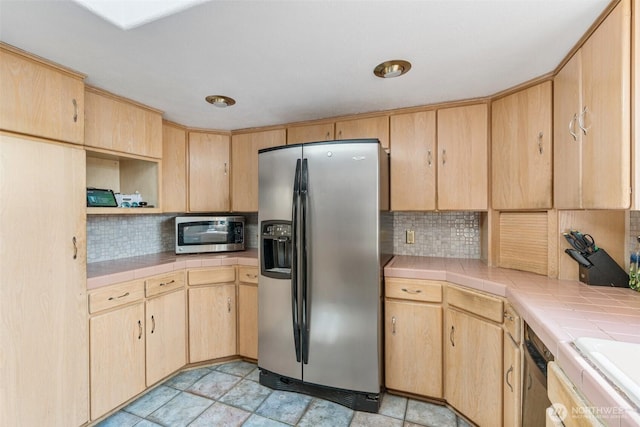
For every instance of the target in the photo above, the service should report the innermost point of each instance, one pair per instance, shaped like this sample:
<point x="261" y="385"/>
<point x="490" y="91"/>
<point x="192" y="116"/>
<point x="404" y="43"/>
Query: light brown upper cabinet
<point x="592" y="116"/>
<point x="458" y="159"/>
<point x="310" y="133"/>
<point x="372" y="127"/>
<point x="174" y="168"/>
<point x="462" y="158"/>
<point x="117" y="124"/>
<point x="522" y="149"/>
<point x="413" y="161"/>
<point x="244" y="152"/>
<point x="208" y="172"/>
<point x="39" y="98"/>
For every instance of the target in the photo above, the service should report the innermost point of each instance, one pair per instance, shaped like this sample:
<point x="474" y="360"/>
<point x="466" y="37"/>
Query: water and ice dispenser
<point x="277" y="249"/>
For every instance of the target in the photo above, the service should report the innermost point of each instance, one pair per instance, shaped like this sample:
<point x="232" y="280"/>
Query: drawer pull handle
<point x="506" y="377"/>
<point x="153" y="324"/>
<point x="167" y="283"/>
<point x="508" y="316"/>
<point x="229" y="305"/>
<point x="121" y="296"/>
<point x="251" y="276"/>
<point x="139" y="329"/>
<point x="412" y="291"/>
<point x="453" y="329"/>
<point x="393" y="325"/>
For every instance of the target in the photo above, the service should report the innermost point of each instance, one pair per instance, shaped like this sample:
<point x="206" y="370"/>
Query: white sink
<point x="619" y="361"/>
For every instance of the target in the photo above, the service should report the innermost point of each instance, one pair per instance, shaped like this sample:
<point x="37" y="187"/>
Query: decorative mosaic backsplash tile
<point x="121" y="236"/>
<point x="438" y="234"/>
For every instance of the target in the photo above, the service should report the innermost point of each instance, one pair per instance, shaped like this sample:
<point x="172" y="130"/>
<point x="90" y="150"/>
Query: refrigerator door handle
<point x="294" y="261"/>
<point x="304" y="190"/>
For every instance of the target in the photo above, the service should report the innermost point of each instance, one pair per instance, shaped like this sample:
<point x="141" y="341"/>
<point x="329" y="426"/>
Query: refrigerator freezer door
<point x="343" y="266"/>
<point x="276" y="345"/>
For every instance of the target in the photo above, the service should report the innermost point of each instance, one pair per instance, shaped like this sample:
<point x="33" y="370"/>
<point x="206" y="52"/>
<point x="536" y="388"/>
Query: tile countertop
<point x="121" y="270"/>
<point x="559" y="311"/>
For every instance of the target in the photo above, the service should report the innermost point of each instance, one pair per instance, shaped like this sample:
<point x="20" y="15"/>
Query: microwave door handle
<point x="304" y="195"/>
<point x="294" y="261"/>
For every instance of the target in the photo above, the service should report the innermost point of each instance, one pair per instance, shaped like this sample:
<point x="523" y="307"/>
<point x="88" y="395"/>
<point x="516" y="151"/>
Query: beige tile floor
<point x="230" y="395"/>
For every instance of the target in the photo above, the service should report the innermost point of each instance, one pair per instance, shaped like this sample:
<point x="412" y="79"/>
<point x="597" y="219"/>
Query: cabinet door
<point x="373" y="127"/>
<point x="212" y="322"/>
<point x="117" y="357"/>
<point x="40" y="99"/>
<point x="413" y="161"/>
<point x="116" y="124"/>
<point x="522" y="150"/>
<point x="567" y="137"/>
<point x="473" y="368"/>
<point x="248" y="321"/>
<point x="174" y="168"/>
<point x="244" y="151"/>
<point x="607" y="113"/>
<point x="512" y="387"/>
<point x="413" y="348"/>
<point x="310" y="133"/>
<point x="43" y="298"/>
<point x="462" y="158"/>
<point x="166" y="323"/>
<point x="208" y="172"/>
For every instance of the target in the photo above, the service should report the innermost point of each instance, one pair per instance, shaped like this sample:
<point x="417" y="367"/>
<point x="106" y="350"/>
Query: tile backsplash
<point x="441" y="234"/>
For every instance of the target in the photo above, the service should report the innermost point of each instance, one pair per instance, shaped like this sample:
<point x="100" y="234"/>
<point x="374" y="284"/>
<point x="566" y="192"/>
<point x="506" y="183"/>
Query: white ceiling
<point x="288" y="61"/>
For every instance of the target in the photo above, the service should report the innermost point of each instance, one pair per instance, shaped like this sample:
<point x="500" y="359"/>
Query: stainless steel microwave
<point x="195" y="234"/>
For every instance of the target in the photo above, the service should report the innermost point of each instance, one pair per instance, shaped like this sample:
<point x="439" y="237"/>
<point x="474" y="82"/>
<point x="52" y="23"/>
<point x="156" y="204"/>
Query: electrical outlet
<point x="411" y="237"/>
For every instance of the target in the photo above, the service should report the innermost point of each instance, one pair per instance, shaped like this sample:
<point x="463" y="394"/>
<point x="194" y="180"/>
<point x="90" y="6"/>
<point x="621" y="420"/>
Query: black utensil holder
<point x="604" y="271"/>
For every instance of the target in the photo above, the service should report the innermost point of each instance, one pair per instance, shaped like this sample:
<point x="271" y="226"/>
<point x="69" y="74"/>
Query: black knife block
<point x="604" y="271"/>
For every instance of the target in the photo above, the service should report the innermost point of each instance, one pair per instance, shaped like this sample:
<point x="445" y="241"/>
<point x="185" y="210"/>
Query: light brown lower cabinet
<point x="117" y="348"/>
<point x="248" y="312"/>
<point x="413" y="347"/>
<point x="512" y="387"/>
<point x="166" y="322"/>
<point x="212" y="322"/>
<point x="135" y="342"/>
<point x="473" y="367"/>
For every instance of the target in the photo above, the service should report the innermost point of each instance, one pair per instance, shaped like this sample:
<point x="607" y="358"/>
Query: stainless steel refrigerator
<point x="325" y="234"/>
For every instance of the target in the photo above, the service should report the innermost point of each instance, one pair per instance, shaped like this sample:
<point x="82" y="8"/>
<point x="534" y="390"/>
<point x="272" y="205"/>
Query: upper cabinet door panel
<point x="462" y="158"/>
<point x="244" y="152"/>
<point x="208" y="172"/>
<point x="413" y="161"/>
<point x="310" y="133"/>
<point x="115" y="124"/>
<point x="373" y="127"/>
<point x="567" y="137"/>
<point x="39" y="99"/>
<point x="606" y="57"/>
<point x="174" y="168"/>
<point x="522" y="149"/>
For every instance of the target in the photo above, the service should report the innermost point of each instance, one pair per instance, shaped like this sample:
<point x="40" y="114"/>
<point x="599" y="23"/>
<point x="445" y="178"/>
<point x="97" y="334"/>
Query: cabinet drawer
<point x="208" y="276"/>
<point x="560" y="389"/>
<point x="167" y="282"/>
<point x="248" y="274"/>
<point x="113" y="296"/>
<point x="413" y="289"/>
<point x="476" y="303"/>
<point x="512" y="323"/>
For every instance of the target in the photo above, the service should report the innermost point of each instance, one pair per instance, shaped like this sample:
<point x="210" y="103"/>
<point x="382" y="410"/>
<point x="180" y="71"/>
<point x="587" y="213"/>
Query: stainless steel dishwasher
<point x="534" y="394"/>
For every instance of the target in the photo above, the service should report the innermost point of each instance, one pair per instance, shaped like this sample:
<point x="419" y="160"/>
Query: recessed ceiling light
<point x="220" y="100"/>
<point x="393" y="68"/>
